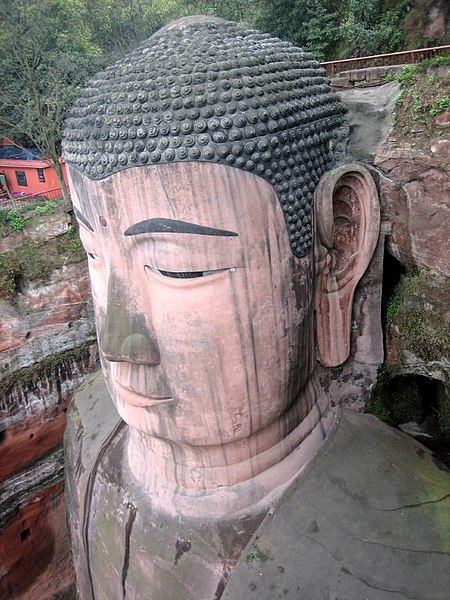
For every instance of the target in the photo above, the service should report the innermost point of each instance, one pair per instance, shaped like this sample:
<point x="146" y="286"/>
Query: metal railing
<point x="27" y="200"/>
<point x="333" y="67"/>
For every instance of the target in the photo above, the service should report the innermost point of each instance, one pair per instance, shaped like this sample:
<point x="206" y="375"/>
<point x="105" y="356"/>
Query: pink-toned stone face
<point x="216" y="356"/>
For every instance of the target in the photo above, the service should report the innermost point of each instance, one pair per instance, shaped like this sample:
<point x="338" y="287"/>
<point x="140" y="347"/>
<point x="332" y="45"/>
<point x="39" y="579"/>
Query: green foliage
<point x="311" y="24"/>
<point x="391" y="309"/>
<point x="425" y="94"/>
<point x="417" y="103"/>
<point x="431" y="63"/>
<point x="116" y="26"/>
<point x="407" y="76"/>
<point x="372" y="27"/>
<point x="17" y="223"/>
<point x="47" y="55"/>
<point x="43" y="209"/>
<point x="442" y="105"/>
<point x="13" y="218"/>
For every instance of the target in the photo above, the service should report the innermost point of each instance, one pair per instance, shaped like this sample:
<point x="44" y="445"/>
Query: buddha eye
<point x="93" y="256"/>
<point x="184" y="274"/>
<point x="187" y="274"/>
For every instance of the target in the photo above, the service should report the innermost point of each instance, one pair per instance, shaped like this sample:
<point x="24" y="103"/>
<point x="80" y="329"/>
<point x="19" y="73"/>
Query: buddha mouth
<point x="130" y="396"/>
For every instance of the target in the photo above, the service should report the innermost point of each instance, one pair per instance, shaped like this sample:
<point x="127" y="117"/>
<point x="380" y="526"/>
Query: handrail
<point x="26" y="200"/>
<point x="52" y="194"/>
<point x="336" y="66"/>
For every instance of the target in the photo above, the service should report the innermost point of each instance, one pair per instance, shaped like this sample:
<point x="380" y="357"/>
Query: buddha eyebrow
<point x="82" y="219"/>
<point x="172" y="226"/>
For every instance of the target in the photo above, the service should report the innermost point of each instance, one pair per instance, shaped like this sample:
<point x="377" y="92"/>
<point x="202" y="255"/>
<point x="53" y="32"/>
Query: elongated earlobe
<point x="347" y="216"/>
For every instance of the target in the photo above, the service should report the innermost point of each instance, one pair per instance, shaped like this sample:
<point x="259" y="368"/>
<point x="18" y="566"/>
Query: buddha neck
<point x="243" y="472"/>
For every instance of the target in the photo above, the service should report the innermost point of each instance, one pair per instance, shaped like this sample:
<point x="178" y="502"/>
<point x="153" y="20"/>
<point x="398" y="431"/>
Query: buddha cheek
<point x="206" y="355"/>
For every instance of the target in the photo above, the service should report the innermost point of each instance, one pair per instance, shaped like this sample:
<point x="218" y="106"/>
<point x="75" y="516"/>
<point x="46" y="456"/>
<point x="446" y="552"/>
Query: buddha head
<point x="225" y="230"/>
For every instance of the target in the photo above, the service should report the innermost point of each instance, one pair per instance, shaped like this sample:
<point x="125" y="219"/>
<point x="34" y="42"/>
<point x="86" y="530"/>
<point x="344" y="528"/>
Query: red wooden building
<point x="29" y="176"/>
<point x="22" y="173"/>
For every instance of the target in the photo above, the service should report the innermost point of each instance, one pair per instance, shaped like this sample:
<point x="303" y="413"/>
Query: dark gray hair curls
<point x="208" y="90"/>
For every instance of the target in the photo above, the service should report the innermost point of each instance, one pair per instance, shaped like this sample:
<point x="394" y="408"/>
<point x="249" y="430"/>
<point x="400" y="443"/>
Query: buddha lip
<point x="131" y="396"/>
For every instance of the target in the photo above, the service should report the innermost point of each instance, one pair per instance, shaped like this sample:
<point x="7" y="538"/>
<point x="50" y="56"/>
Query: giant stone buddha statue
<point x="226" y="230"/>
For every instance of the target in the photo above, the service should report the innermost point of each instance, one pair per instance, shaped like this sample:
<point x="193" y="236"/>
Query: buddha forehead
<point x="217" y="92"/>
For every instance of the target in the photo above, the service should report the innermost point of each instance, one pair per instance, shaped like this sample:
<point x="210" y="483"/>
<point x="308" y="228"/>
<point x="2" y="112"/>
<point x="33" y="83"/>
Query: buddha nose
<point x="126" y="337"/>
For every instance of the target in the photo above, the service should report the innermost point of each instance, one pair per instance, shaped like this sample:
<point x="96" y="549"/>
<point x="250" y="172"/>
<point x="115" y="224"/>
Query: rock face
<point x="412" y="167"/>
<point x="47" y="348"/>
<point x="370" y="116"/>
<point x="436" y="26"/>
<point x="419" y="327"/>
<point x="46" y="319"/>
<point x="415" y="195"/>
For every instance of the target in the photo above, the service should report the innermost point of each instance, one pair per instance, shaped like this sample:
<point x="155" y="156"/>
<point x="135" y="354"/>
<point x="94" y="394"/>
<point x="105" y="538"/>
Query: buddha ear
<point x="347" y="217"/>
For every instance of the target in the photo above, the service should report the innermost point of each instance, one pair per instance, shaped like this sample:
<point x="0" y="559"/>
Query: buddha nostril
<point x="140" y="349"/>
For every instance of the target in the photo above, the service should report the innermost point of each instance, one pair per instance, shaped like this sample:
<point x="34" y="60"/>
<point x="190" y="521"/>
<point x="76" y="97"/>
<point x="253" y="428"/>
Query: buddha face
<point x="204" y="316"/>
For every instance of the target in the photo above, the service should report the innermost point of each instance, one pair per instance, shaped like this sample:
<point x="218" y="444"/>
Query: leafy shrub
<point x="407" y="76"/>
<point x="45" y="208"/>
<point x="16" y="221"/>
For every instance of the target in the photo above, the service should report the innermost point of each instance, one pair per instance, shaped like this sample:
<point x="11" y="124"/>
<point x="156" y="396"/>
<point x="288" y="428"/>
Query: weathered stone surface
<point x="45" y="227"/>
<point x="370" y="116"/>
<point x="441" y="148"/>
<point x="415" y="198"/>
<point x="436" y="26"/>
<point x="34" y="548"/>
<point x="32" y="406"/>
<point x="419" y="329"/>
<point x="368" y="520"/>
<point x="28" y="441"/>
<point x="443" y="118"/>
<point x="47" y="348"/>
<point x="45" y="383"/>
<point x="354" y="78"/>
<point x="46" y="319"/>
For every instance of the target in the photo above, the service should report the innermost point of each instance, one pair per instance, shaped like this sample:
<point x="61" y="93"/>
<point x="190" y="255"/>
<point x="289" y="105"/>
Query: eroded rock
<point x="415" y="198"/>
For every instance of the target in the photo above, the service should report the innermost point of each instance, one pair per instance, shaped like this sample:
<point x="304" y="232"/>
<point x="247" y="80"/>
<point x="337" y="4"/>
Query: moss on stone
<point x="54" y="367"/>
<point x="396" y="398"/>
<point x="418" y="324"/>
<point x="36" y="260"/>
<point x="443" y="408"/>
<point x="417" y="312"/>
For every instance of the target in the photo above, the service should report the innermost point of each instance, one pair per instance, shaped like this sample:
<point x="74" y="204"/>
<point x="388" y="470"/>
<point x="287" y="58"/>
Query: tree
<point x="48" y="56"/>
<point x="373" y="27"/>
<point x="119" y="25"/>
<point x="246" y="11"/>
<point x="310" y="24"/>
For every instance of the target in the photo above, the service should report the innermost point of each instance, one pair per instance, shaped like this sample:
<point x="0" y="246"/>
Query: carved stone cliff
<point x="47" y="348"/>
<point x="412" y="165"/>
